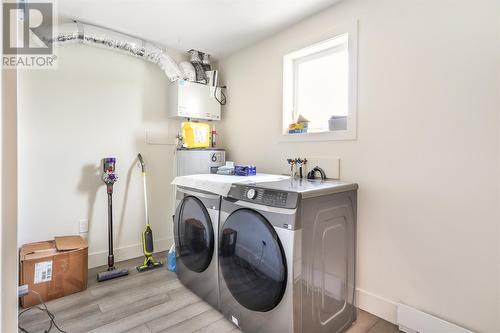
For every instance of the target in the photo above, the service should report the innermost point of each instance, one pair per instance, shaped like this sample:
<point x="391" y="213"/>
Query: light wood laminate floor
<point x="153" y="301"/>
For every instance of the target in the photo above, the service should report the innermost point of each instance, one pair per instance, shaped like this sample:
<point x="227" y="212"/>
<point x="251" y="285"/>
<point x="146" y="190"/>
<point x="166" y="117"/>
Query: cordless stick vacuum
<point x="147" y="234"/>
<point x="109" y="177"/>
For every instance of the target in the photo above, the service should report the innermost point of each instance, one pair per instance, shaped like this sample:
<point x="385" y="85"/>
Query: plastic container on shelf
<point x="245" y="170"/>
<point x="196" y="135"/>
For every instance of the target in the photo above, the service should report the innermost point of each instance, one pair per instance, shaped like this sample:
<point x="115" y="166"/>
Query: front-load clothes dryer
<point x="287" y="255"/>
<point x="195" y="233"/>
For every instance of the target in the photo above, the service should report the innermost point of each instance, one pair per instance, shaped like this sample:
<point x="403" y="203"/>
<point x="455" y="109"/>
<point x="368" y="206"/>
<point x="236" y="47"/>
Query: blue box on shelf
<point x="245" y="170"/>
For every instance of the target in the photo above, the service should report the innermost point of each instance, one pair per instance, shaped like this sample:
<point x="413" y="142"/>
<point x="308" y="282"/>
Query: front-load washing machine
<point x="287" y="255"/>
<point x="195" y="233"/>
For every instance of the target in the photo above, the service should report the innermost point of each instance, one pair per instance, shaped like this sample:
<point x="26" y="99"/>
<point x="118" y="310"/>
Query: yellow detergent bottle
<point x="196" y="135"/>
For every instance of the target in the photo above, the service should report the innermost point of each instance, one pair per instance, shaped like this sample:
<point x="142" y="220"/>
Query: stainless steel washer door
<point x="195" y="234"/>
<point x="252" y="260"/>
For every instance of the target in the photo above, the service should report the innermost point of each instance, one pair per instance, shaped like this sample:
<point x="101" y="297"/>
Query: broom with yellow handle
<point x="147" y="234"/>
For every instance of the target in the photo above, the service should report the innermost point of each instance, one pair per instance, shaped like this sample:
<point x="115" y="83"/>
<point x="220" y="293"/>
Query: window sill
<point x="342" y="135"/>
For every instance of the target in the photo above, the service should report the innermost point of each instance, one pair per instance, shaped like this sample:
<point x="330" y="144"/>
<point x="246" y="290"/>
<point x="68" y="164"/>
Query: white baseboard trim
<point x="377" y="305"/>
<point x="127" y="252"/>
<point x="411" y="320"/>
<point x="408" y="319"/>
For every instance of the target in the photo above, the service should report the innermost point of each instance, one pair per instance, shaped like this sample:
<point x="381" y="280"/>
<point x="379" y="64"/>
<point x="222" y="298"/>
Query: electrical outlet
<point x="84" y="225"/>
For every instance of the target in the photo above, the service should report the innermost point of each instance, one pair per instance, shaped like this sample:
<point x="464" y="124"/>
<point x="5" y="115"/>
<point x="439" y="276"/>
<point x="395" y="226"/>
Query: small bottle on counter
<point x="213" y="134"/>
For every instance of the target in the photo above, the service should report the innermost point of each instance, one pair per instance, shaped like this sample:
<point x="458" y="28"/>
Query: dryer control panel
<point x="261" y="196"/>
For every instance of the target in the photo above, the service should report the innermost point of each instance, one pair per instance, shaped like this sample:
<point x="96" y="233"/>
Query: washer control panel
<point x="265" y="197"/>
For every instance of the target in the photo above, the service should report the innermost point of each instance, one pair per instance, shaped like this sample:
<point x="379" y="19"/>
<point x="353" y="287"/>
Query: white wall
<point x="97" y="103"/>
<point x="427" y="153"/>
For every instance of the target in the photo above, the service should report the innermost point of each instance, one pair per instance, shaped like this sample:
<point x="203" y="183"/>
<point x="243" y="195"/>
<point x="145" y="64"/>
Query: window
<point x="319" y="90"/>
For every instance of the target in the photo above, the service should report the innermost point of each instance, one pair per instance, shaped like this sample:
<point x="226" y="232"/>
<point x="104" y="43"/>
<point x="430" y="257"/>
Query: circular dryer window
<point x="252" y="260"/>
<point x="195" y="234"/>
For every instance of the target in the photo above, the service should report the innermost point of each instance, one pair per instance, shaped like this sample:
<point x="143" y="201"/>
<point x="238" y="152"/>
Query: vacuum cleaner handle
<point x="143" y="166"/>
<point x="110" y="178"/>
<point x="111" y="257"/>
<point x="109" y="175"/>
<point x="144" y="184"/>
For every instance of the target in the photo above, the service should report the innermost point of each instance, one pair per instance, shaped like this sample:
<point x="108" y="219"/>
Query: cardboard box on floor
<point x="53" y="268"/>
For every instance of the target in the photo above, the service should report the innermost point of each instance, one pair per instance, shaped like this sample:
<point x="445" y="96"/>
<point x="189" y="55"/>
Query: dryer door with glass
<point x="252" y="260"/>
<point x="194" y="234"/>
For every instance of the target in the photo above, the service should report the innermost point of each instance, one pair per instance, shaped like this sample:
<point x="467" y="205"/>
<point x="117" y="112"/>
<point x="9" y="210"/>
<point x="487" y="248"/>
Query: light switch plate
<point x="158" y="137"/>
<point x="83" y="225"/>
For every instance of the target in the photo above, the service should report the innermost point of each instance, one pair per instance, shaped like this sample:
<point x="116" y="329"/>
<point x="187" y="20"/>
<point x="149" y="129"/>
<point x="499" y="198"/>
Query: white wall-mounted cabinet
<point x="193" y="100"/>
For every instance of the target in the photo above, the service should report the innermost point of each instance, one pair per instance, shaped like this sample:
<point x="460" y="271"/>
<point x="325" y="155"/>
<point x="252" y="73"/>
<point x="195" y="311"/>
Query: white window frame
<point x="290" y="60"/>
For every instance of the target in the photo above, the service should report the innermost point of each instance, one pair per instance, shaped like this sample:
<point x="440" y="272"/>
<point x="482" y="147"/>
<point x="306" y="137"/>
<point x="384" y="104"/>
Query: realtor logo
<point x="28" y="28"/>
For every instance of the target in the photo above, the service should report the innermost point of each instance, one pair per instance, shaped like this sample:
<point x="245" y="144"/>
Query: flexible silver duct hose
<point x="108" y="39"/>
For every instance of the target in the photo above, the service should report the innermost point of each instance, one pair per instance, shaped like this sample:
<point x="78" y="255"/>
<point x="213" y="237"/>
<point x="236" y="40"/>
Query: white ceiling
<point x="218" y="27"/>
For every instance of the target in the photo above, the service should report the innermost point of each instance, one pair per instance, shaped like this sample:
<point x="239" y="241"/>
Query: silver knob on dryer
<point x="251" y="193"/>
